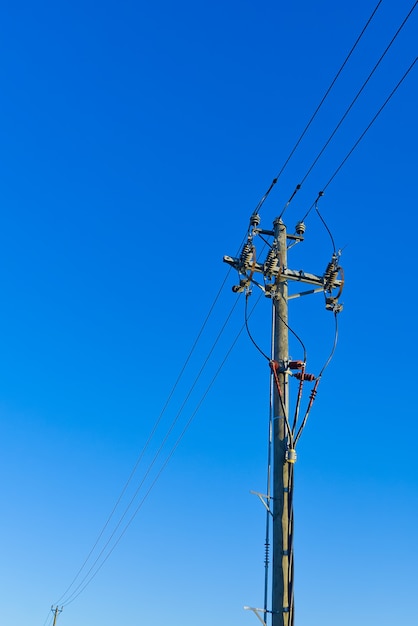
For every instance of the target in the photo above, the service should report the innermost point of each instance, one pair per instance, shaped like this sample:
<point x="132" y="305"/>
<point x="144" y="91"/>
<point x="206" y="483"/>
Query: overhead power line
<point x="69" y="596"/>
<point x="324" y="97"/>
<point x="151" y="435"/>
<point x="354" y="146"/>
<point x="94" y="571"/>
<point x="320" y="153"/>
<point x="371" y="122"/>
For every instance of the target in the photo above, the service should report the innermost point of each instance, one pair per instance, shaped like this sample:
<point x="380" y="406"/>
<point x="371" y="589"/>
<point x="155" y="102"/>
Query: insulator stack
<point x="255" y="219"/>
<point x="271" y="263"/>
<point x="247" y="254"/>
<point x="300" y="228"/>
<point x="330" y="281"/>
<point x="300" y="376"/>
<point x="313" y="393"/>
<point x="330" y="268"/>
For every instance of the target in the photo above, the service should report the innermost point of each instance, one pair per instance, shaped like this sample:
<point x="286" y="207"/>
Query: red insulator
<point x="296" y="365"/>
<point x="301" y="376"/>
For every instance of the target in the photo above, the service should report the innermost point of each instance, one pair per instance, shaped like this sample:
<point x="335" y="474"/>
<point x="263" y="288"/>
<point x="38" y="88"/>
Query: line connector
<point x="291" y="456"/>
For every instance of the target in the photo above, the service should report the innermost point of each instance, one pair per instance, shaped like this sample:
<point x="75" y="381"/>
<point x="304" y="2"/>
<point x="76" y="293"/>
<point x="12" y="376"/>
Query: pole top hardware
<point x="300" y="228"/>
<point x="273" y="271"/>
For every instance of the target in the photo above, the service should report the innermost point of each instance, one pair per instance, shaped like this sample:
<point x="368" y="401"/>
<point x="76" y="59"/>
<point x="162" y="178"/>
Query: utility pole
<point x="282" y="582"/>
<point x="286" y="432"/>
<point x="56" y="612"/>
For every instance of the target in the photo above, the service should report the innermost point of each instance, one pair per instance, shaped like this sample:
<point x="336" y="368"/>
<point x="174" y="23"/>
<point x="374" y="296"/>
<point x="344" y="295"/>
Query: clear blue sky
<point x="137" y="138"/>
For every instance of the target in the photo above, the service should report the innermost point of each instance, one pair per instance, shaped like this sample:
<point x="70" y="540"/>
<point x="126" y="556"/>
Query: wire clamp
<point x="291" y="455"/>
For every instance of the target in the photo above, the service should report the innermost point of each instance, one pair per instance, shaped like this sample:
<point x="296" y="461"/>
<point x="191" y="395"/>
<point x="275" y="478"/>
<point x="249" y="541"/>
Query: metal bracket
<point x="265" y="503"/>
<point x="256" y="613"/>
<point x="305" y="293"/>
<point x="285" y="273"/>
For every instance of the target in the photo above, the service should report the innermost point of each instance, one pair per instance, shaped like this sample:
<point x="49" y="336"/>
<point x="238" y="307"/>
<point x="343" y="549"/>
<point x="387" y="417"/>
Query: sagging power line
<point x="316" y="111"/>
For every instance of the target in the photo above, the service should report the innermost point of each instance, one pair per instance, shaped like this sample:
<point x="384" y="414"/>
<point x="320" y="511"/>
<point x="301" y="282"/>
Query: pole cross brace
<point x="283" y="272"/>
<point x="292" y="296"/>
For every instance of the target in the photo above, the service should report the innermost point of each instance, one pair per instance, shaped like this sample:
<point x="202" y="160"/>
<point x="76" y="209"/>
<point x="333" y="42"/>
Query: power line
<point x="274" y="181"/>
<point x="372" y="121"/>
<point x="146" y="474"/>
<point x="48" y="618"/>
<point x="151" y="435"/>
<point x="81" y="588"/>
<point x="320" y="153"/>
<point x="318" y="379"/>
<point x="370" y="124"/>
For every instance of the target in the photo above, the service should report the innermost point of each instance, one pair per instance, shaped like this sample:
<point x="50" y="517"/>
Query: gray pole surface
<point x="282" y="576"/>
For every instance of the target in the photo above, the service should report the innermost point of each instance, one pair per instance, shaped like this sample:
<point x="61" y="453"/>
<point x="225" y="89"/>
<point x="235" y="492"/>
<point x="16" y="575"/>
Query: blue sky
<point x="137" y="139"/>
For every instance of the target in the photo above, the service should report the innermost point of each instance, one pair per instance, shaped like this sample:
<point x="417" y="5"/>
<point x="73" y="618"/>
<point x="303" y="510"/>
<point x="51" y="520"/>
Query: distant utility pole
<point x="286" y="431"/>
<point x="56" y="612"/>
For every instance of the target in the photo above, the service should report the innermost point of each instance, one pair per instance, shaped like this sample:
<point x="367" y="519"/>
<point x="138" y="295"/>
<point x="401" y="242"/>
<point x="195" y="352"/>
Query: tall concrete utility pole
<point x="282" y="582"/>
<point x="276" y="277"/>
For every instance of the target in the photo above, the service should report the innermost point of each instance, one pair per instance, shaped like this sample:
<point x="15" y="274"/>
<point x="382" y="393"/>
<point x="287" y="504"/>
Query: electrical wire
<point x="268" y="493"/>
<point x="328" y="361"/>
<point x="318" y="380"/>
<point x="326" y="227"/>
<point x="350" y="152"/>
<point x="290" y="570"/>
<point x="274" y="181"/>
<point x="48" y="618"/>
<point x="371" y="122"/>
<point x="151" y="435"/>
<point x="155" y="458"/>
<point x="358" y="93"/>
<point x="80" y="589"/>
<point x="305" y="354"/>
<point x="248" y="329"/>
